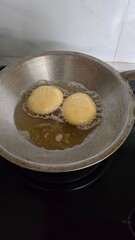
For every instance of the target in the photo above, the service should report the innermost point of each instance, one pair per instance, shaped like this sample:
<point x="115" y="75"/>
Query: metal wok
<point x="117" y="99"/>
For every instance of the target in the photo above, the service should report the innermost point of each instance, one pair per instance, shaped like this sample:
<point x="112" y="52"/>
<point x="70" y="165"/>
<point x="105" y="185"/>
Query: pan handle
<point x="128" y="75"/>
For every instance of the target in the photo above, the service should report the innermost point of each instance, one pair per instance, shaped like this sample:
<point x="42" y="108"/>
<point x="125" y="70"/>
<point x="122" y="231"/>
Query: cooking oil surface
<point x="51" y="131"/>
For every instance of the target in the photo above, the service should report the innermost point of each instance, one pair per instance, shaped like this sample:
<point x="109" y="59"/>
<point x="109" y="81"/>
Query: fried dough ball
<point x="79" y="109"/>
<point x="45" y="99"/>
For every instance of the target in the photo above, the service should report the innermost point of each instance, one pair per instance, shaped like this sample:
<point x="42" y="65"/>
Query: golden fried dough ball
<point x="45" y="99"/>
<point x="79" y="109"/>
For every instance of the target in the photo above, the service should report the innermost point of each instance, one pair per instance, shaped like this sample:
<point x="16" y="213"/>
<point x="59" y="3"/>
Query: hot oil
<point x="49" y="133"/>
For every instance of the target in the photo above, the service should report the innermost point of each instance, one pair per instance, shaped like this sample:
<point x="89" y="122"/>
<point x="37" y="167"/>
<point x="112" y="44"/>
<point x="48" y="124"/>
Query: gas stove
<point x="100" y="204"/>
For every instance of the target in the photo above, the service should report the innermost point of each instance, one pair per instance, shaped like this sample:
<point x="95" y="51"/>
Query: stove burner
<point x="62" y="182"/>
<point x="131" y="221"/>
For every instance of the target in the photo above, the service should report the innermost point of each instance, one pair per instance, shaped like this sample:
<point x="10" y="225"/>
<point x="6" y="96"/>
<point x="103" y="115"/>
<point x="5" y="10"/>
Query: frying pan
<point x="117" y="100"/>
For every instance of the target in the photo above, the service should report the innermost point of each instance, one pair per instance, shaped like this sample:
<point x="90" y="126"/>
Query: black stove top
<point x="103" y="209"/>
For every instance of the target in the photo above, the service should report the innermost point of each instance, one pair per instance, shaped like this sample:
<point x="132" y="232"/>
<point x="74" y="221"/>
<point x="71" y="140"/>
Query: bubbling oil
<point x="51" y="131"/>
